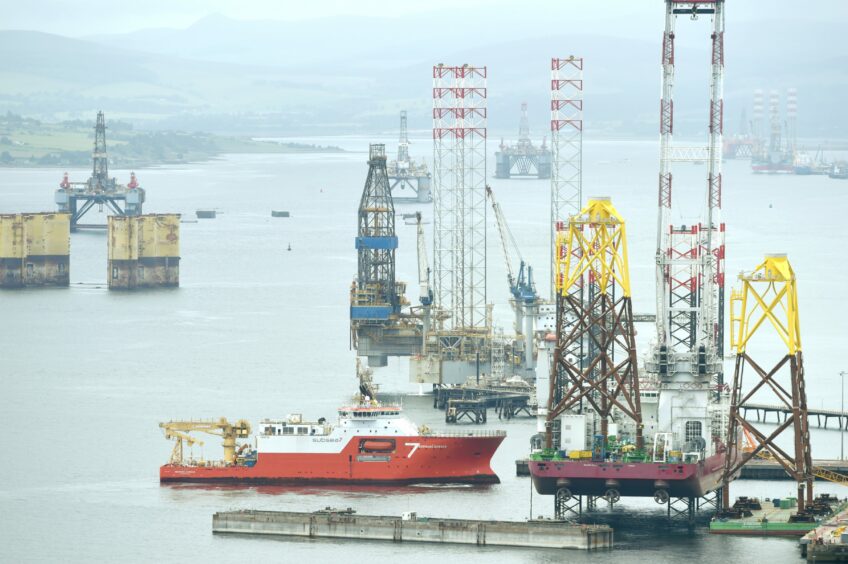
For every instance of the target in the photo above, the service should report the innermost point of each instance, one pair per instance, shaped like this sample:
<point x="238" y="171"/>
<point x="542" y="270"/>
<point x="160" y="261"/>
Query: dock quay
<point x="472" y="403"/>
<point x="753" y="470"/>
<point x="829" y="541"/>
<point x="774" y="517"/>
<point x="332" y="523"/>
<point x="817" y="417"/>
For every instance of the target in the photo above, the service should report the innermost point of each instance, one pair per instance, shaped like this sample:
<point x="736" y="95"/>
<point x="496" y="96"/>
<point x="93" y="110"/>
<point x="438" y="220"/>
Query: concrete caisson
<point x="143" y="251"/>
<point x="34" y="249"/>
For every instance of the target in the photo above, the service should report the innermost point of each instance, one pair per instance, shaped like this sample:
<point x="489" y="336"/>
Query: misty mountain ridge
<point x="343" y="74"/>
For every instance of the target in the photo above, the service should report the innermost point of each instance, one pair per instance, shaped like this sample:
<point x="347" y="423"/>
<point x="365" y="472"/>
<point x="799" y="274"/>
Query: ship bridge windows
<point x="694" y="430"/>
<point x="302" y="430"/>
<point x="288" y="430"/>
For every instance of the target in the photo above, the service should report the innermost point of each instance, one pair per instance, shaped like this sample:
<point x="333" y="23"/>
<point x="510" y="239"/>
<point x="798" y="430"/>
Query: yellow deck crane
<point x="230" y="432"/>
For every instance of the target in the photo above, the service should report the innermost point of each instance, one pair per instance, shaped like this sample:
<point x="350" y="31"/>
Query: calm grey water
<point x="255" y="331"/>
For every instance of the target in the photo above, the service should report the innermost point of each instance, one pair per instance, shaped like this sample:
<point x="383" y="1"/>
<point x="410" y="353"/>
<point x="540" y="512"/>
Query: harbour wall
<point x="348" y="525"/>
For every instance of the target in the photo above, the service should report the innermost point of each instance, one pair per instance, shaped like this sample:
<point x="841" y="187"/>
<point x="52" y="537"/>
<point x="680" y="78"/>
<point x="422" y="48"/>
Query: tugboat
<point x="371" y="443"/>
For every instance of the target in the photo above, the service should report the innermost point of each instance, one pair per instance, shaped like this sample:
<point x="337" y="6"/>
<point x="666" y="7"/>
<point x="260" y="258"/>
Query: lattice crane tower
<point x="687" y="357"/>
<point x="459" y="175"/>
<point x="566" y="146"/>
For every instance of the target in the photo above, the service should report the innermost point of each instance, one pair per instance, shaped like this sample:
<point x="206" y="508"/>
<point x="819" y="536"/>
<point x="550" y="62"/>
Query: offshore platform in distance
<point x="77" y="198"/>
<point x="405" y="173"/>
<point x="523" y="159"/>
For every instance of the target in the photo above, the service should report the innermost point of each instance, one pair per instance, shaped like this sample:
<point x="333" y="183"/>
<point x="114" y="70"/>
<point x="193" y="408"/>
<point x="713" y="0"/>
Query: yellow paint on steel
<point x="47" y="234"/>
<point x="595" y="243"/>
<point x="768" y="293"/>
<point x="159" y="235"/>
<point x="35" y="234"/>
<point x="144" y="236"/>
<point x="830" y="475"/>
<point x="220" y="427"/>
<point x="122" y="237"/>
<point x="11" y="236"/>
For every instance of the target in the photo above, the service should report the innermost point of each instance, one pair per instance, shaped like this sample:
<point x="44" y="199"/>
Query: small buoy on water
<point x="289" y="247"/>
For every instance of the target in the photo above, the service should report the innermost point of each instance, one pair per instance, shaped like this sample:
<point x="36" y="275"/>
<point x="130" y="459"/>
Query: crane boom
<point x="221" y="428"/>
<point x="506" y="238"/>
<point x="179" y="438"/>
<point x="521" y="286"/>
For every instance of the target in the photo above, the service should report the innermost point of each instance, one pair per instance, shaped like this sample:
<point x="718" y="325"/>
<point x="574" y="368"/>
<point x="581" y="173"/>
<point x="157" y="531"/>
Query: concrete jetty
<point x="409" y="527"/>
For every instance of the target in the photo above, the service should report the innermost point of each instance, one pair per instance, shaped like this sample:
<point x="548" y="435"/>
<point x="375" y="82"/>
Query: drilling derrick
<point x="592" y="254"/>
<point x="378" y="329"/>
<point x="99" y="190"/>
<point x="405" y="173"/>
<point x="777" y="152"/>
<point x="523" y="158"/>
<point x="459" y="345"/>
<point x="100" y="170"/>
<point x="403" y="142"/>
<point x="769" y="298"/>
<point x="377" y="241"/>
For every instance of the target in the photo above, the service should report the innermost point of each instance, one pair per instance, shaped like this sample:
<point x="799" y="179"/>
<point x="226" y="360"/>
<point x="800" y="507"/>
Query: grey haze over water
<point x="256" y="331"/>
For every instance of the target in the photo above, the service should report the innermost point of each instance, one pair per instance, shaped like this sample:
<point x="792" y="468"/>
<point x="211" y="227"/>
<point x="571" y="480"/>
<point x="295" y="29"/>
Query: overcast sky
<point x="634" y="18"/>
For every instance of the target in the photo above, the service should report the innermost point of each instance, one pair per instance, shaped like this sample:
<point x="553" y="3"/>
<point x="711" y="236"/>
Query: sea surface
<point x="256" y="330"/>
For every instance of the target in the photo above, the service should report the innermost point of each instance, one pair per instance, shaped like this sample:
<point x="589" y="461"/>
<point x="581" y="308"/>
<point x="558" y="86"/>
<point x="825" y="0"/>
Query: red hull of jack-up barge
<point x="370" y="445"/>
<point x="638" y="479"/>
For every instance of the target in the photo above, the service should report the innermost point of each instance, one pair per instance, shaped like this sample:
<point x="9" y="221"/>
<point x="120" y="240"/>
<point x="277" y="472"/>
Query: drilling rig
<point x="405" y="173"/>
<point x="523" y="159"/>
<point x="100" y="189"/>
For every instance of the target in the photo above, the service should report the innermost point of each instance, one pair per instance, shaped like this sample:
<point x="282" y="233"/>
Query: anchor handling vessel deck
<point x="371" y="443"/>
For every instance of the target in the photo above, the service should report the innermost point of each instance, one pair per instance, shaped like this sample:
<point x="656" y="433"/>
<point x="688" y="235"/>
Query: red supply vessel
<point x="371" y="443"/>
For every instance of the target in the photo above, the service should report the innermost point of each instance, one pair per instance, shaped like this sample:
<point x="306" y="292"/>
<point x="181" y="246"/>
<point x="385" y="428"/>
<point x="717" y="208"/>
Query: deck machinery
<point x="405" y="173"/>
<point x="78" y="198"/>
<point x="657" y="434"/>
<point x="379" y="328"/>
<point x="523" y="159"/>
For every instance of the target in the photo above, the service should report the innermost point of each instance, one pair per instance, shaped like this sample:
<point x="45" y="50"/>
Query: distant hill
<point x="352" y="74"/>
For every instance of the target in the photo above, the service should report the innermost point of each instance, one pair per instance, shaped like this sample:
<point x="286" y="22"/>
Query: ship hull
<point x="772" y="168"/>
<point x="584" y="477"/>
<point x="414" y="459"/>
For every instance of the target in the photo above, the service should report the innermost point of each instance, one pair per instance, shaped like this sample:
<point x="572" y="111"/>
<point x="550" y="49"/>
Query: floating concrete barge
<point x="335" y="524"/>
